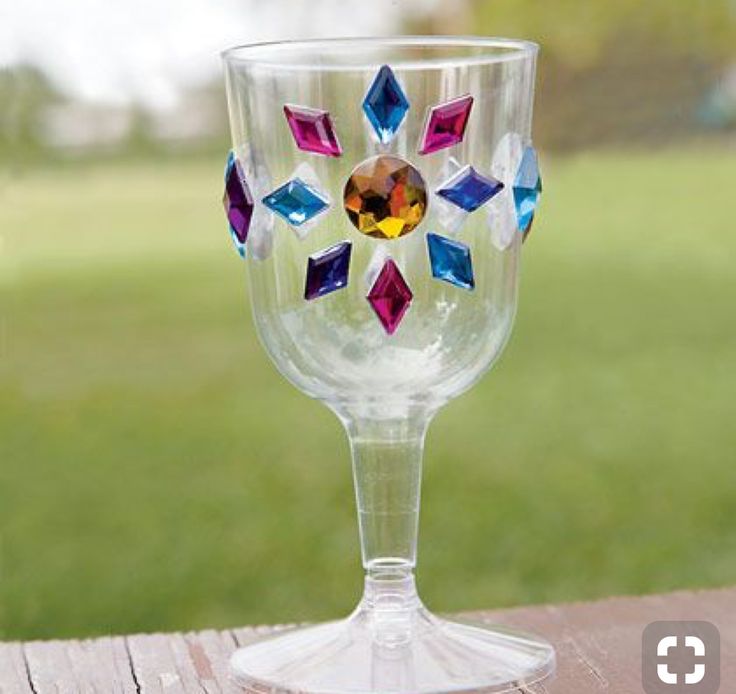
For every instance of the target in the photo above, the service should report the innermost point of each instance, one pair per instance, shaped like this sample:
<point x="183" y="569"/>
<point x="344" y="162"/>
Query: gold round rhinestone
<point x="385" y="197"/>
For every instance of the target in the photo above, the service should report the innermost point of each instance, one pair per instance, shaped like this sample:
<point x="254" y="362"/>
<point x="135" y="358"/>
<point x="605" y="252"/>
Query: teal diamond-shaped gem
<point x="527" y="188"/>
<point x="296" y="201"/>
<point x="450" y="261"/>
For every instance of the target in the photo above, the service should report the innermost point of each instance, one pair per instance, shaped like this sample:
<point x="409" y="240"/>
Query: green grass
<point x="157" y="473"/>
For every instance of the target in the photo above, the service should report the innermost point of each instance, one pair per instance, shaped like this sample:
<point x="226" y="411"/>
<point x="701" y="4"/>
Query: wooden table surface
<point x="598" y="647"/>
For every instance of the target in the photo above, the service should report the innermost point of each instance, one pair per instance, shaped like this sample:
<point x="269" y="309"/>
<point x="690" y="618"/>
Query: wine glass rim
<point x="499" y="50"/>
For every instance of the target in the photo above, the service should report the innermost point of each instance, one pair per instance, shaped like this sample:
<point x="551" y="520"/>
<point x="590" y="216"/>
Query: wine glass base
<point x="396" y="652"/>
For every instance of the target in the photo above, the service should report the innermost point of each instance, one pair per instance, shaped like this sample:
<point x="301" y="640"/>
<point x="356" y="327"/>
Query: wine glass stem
<point x="387" y="467"/>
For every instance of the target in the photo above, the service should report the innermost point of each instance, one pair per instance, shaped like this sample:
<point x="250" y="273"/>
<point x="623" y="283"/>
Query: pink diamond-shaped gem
<point x="312" y="130"/>
<point x="390" y="296"/>
<point x="445" y="124"/>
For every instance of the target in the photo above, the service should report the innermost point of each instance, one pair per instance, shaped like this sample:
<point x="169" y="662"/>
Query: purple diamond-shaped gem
<point x="327" y="270"/>
<point x="238" y="201"/>
<point x="313" y="130"/>
<point x="445" y="124"/>
<point x="469" y="190"/>
<point x="390" y="296"/>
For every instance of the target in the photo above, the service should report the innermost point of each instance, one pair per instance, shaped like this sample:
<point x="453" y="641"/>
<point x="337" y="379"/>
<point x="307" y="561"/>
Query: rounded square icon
<point x="681" y="657"/>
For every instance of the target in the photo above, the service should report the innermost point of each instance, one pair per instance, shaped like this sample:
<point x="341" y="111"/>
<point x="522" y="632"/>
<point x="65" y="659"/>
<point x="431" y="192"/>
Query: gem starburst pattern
<point x="385" y="197"/>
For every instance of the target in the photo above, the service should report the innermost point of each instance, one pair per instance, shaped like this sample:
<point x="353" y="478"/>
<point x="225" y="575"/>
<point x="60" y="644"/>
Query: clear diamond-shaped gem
<point x="445" y="124"/>
<point x="385" y="104"/>
<point x="501" y="209"/>
<point x="296" y="202"/>
<point x="450" y="261"/>
<point x="469" y="190"/>
<point x="390" y="296"/>
<point x="448" y="215"/>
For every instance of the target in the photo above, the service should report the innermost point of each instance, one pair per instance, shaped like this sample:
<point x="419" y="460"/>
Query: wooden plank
<point x="194" y="662"/>
<point x="13" y="673"/>
<point x="79" y="667"/>
<point x="598" y="646"/>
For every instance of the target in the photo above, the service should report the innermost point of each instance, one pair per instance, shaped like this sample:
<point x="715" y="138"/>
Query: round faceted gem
<point x="385" y="197"/>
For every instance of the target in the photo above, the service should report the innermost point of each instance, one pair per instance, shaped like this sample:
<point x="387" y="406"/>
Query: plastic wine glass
<point x="379" y="191"/>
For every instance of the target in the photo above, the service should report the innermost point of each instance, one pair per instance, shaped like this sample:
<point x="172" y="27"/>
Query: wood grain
<point x="79" y="667"/>
<point x="598" y="647"/>
<point x="13" y="670"/>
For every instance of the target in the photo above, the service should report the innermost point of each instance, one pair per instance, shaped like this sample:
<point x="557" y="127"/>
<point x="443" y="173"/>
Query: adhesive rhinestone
<point x="296" y="201"/>
<point x="385" y="197"/>
<point x="385" y="104"/>
<point x="238" y="203"/>
<point x="528" y="230"/>
<point x="450" y="261"/>
<point x="501" y="209"/>
<point x="527" y="188"/>
<point x="327" y="270"/>
<point x="390" y="296"/>
<point x="469" y="190"/>
<point x="445" y="124"/>
<point x="313" y="130"/>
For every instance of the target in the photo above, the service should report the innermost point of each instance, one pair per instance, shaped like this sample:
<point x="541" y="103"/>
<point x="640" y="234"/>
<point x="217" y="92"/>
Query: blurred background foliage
<point x="156" y="473"/>
<point x="612" y="72"/>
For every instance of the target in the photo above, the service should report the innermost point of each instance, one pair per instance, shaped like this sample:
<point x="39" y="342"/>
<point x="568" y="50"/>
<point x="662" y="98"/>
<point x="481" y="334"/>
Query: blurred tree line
<point x="618" y="71"/>
<point x="612" y="71"/>
<point x="24" y="93"/>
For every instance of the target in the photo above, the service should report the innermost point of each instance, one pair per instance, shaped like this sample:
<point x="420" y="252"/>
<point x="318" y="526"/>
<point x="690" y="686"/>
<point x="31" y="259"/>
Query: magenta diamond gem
<point x="390" y="296"/>
<point x="313" y="130"/>
<point x="238" y="201"/>
<point x="445" y="124"/>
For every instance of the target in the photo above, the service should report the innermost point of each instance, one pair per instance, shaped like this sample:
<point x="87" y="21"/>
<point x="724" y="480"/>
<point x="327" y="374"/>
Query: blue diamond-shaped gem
<point x="327" y="270"/>
<point x="296" y="202"/>
<point x="385" y="104"/>
<point x="469" y="190"/>
<point x="527" y="187"/>
<point x="450" y="261"/>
